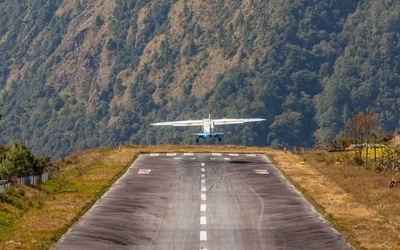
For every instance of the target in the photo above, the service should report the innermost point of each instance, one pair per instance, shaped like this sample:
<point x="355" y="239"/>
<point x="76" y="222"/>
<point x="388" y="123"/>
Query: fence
<point x="29" y="180"/>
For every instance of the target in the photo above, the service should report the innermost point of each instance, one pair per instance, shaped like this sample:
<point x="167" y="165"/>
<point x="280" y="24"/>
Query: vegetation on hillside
<point x="18" y="161"/>
<point x="77" y="74"/>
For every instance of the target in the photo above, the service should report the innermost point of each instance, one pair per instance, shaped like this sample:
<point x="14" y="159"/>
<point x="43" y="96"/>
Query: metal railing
<point x="28" y="180"/>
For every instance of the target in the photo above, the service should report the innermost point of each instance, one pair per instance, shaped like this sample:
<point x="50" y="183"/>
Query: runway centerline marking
<point x="203" y="235"/>
<point x="203" y="220"/>
<point x="203" y="207"/>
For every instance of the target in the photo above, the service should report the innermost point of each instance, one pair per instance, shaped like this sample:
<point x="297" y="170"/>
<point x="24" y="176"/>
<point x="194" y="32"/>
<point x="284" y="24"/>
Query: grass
<point x="355" y="200"/>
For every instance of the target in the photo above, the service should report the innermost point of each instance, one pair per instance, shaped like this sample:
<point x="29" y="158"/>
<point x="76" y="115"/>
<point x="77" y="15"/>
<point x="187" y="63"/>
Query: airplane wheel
<point x="220" y="139"/>
<point x="197" y="140"/>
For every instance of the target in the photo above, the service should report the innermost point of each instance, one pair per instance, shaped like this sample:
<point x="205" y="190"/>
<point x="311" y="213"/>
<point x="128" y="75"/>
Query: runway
<point x="202" y="201"/>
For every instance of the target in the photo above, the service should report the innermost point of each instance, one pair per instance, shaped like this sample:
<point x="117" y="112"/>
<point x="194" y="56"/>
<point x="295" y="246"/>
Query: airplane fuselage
<point x="208" y="135"/>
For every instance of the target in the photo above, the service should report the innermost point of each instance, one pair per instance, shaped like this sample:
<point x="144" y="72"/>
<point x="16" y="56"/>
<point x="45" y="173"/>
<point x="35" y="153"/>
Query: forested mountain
<point x="76" y="74"/>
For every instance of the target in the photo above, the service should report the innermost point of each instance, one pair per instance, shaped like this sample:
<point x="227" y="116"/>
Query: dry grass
<point x="356" y="201"/>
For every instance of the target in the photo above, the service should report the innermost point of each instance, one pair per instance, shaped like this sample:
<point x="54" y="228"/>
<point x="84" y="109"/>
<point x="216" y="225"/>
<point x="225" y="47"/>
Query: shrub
<point x="19" y="161"/>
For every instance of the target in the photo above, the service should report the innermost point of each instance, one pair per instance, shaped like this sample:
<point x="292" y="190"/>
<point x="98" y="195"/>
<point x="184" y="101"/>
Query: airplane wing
<point x="236" y="121"/>
<point x="180" y="123"/>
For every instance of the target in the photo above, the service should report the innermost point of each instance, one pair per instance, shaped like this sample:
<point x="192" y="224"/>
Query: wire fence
<point x="28" y="180"/>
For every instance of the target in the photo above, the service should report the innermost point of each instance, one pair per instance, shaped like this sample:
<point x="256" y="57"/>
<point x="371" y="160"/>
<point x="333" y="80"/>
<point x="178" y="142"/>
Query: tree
<point x="359" y="128"/>
<point x="388" y="160"/>
<point x="19" y="161"/>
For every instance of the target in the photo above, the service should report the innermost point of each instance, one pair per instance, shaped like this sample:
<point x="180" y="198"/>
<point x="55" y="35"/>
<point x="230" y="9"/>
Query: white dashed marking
<point x="203" y="235"/>
<point x="227" y="159"/>
<point x="202" y="164"/>
<point x="171" y="154"/>
<point x="203" y="181"/>
<point x="233" y="154"/>
<point x="216" y="154"/>
<point x="261" y="171"/>
<point x="154" y="154"/>
<point x="203" y="220"/>
<point x="177" y="158"/>
<point x="203" y="169"/>
<point x="251" y="155"/>
<point x="203" y="189"/>
<point x="188" y="154"/>
<point x="203" y="175"/>
<point x="203" y="207"/>
<point x="203" y="197"/>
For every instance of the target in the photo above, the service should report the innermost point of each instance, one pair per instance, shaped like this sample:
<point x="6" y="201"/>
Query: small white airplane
<point x="208" y="125"/>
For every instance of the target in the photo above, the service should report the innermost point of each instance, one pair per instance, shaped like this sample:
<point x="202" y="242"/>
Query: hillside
<point x="78" y="74"/>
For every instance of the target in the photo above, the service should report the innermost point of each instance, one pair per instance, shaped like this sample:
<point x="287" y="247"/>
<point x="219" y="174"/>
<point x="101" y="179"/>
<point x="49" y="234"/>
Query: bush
<point x="19" y="161"/>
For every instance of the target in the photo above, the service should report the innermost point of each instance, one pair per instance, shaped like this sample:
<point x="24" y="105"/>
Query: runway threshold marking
<point x="144" y="171"/>
<point x="261" y="171"/>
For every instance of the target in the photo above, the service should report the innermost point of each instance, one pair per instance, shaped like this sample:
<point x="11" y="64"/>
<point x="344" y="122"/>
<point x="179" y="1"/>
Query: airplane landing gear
<point x="197" y="140"/>
<point x="220" y="139"/>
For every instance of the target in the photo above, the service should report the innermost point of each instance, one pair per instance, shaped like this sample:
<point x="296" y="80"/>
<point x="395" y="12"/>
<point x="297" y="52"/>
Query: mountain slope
<point x="77" y="74"/>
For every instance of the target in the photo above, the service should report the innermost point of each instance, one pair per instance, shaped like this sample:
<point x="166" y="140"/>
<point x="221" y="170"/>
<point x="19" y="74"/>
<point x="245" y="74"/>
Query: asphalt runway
<point x="202" y="201"/>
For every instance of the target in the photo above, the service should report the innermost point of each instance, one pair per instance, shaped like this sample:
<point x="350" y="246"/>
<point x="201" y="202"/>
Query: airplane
<point x="208" y="125"/>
